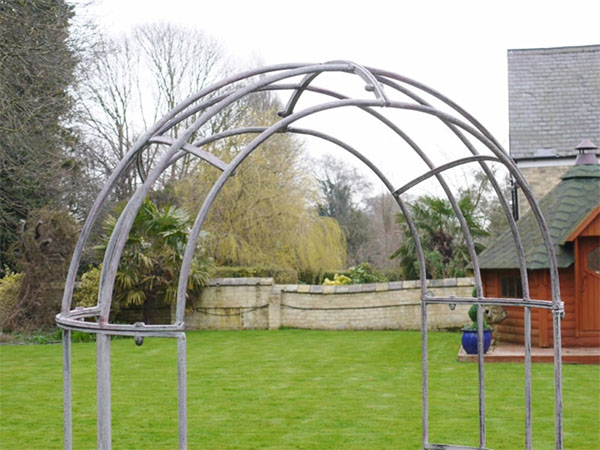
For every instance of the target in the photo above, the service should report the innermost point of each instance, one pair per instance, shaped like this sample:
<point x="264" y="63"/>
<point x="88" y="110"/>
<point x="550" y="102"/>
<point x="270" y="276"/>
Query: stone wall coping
<point x="375" y="287"/>
<point x="250" y="281"/>
<point x="344" y="288"/>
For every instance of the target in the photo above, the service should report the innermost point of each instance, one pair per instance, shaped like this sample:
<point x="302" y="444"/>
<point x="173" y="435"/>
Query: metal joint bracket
<point x="560" y="309"/>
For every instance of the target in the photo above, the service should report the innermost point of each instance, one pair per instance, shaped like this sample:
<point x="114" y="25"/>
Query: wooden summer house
<point x="572" y="211"/>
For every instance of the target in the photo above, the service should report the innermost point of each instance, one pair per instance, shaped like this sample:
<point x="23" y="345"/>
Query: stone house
<point x="554" y="104"/>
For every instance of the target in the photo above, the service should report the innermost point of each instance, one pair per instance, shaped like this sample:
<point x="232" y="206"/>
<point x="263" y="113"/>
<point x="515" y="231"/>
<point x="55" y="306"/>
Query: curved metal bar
<point x="341" y="144"/>
<point x="413" y="107"/>
<point x="127" y="160"/>
<point x="364" y="103"/>
<point x="440" y="97"/>
<point x="556" y="299"/>
<point x="434" y="93"/>
<point x="521" y="181"/>
<point x="490" y="176"/>
<point x="117" y="330"/>
<point x="119" y="236"/>
<point x="467" y="143"/>
<point x="442" y="168"/>
<point x="192" y="149"/>
<point x="372" y="85"/>
<point x="291" y="104"/>
<point x="364" y="73"/>
<point x="474" y="259"/>
<point x="453" y="202"/>
<point x="184" y="273"/>
<point x="507" y="162"/>
<point x="479" y="288"/>
<point x="519" y="247"/>
<point x="463" y="139"/>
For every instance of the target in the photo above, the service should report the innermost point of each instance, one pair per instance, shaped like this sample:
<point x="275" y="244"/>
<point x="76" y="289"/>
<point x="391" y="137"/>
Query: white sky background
<point x="456" y="47"/>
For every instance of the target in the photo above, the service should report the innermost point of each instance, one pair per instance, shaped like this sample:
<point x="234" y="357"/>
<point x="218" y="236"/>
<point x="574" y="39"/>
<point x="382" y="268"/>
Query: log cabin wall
<point x="512" y="328"/>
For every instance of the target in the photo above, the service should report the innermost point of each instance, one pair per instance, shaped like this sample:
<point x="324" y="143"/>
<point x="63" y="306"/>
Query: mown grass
<point x="289" y="389"/>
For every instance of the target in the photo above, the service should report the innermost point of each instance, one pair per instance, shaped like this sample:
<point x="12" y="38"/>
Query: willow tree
<point x="266" y="214"/>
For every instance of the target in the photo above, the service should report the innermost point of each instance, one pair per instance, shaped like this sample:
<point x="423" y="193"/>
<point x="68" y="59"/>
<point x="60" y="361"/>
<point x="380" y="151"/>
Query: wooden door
<point x="589" y="285"/>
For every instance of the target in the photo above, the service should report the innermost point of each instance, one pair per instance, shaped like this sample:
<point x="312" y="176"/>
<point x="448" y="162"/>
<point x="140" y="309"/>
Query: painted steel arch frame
<point x="73" y="320"/>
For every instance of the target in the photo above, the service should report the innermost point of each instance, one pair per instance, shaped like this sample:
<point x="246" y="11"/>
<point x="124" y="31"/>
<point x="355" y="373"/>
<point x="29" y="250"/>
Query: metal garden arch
<point x="300" y="78"/>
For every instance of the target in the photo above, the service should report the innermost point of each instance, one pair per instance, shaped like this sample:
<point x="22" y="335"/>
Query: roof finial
<point x="586" y="158"/>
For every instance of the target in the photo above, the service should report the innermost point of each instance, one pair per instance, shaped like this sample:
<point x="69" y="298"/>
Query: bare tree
<point x="134" y="79"/>
<point x="384" y="234"/>
<point x="107" y="99"/>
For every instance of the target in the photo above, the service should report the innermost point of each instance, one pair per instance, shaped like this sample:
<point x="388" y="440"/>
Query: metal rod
<point x="481" y="375"/>
<point x="67" y="391"/>
<point x="443" y="168"/>
<point x="543" y="304"/>
<point x="450" y="447"/>
<point x="424" y="374"/>
<point x="558" y="405"/>
<point x="528" y="378"/>
<point x="365" y="74"/>
<point x="103" y="391"/>
<point x="189" y="148"/>
<point x="182" y="390"/>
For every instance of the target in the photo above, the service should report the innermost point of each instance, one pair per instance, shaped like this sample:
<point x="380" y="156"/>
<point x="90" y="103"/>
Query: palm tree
<point x="444" y="245"/>
<point x="149" y="267"/>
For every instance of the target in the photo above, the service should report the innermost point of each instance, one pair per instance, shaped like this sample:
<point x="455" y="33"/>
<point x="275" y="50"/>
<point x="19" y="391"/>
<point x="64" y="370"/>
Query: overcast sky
<point x="457" y="47"/>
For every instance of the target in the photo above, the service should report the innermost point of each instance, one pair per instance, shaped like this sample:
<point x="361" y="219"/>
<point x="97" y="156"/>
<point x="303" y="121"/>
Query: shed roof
<point x="564" y="207"/>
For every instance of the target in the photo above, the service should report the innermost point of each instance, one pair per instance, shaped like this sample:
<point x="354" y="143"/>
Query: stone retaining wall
<point x="258" y="303"/>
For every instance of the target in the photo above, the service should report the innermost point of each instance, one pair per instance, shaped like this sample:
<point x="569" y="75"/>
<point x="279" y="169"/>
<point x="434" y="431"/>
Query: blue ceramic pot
<point x="469" y="341"/>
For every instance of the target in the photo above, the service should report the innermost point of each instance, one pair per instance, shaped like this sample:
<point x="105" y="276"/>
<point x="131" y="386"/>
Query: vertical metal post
<point x="182" y="390"/>
<point x="103" y="391"/>
<point x="527" y="378"/>
<point x="481" y="375"/>
<point x="558" y="419"/>
<point x="424" y="374"/>
<point x="67" y="402"/>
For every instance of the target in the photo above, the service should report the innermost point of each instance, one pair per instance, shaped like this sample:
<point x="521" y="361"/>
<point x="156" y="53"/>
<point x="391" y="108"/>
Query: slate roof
<point x="554" y="100"/>
<point x="564" y="208"/>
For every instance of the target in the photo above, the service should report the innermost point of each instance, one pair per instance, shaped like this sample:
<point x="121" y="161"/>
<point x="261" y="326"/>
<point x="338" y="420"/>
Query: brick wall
<point x="244" y="303"/>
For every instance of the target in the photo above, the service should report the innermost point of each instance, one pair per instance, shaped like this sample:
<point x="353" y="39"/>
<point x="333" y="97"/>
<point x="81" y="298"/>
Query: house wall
<point x="541" y="180"/>
<point x="247" y="303"/>
<point x="553" y="103"/>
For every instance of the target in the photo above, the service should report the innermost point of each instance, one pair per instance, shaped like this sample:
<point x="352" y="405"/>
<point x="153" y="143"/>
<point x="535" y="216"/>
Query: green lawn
<point x="289" y="389"/>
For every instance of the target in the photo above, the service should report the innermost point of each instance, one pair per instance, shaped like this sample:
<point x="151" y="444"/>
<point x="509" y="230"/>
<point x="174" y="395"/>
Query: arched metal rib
<point x="518" y="245"/>
<point x="372" y="85"/>
<point x="442" y="168"/>
<point x="119" y="236"/>
<point x="128" y="160"/>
